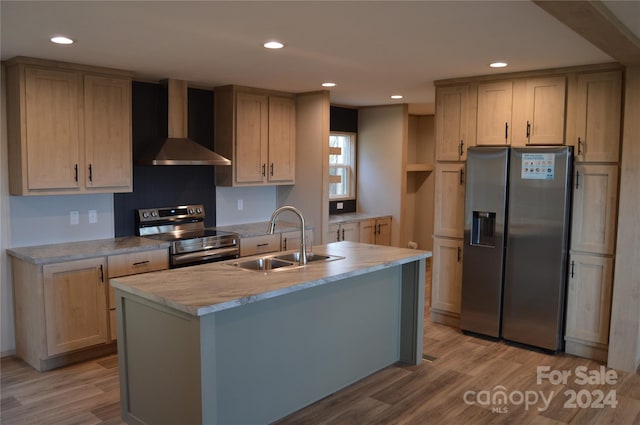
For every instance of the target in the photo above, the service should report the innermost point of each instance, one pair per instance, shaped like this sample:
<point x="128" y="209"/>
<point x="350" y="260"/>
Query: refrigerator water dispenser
<point x="483" y="228"/>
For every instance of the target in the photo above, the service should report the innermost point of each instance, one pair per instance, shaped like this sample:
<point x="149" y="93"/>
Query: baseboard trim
<point x="586" y="349"/>
<point x="8" y="353"/>
<point x="445" y="318"/>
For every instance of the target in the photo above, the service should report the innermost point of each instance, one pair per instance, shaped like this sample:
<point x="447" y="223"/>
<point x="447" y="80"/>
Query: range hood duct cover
<point x="178" y="149"/>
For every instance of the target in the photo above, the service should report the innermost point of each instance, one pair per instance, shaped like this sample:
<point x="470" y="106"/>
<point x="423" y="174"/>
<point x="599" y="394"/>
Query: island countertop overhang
<point x="208" y="288"/>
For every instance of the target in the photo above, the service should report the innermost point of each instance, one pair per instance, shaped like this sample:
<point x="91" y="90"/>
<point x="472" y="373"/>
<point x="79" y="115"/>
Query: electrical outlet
<point x="240" y="204"/>
<point x="74" y="217"/>
<point x="339" y="205"/>
<point x="93" y="216"/>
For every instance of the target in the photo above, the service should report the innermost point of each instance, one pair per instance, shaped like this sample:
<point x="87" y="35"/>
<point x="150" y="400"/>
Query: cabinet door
<point x="52" y="124"/>
<point x="449" y="200"/>
<point x="291" y="240"/>
<point x="75" y="305"/>
<point x="282" y="154"/>
<point x="595" y="200"/>
<point x="589" y="298"/>
<point x="107" y="133"/>
<point x="368" y="231"/>
<point x="544" y="112"/>
<point x="494" y="113"/>
<point x="333" y="233"/>
<point x="252" y="132"/>
<point x="598" y="117"/>
<point x="451" y="123"/>
<point x="350" y="232"/>
<point x="383" y="231"/>
<point x="447" y="275"/>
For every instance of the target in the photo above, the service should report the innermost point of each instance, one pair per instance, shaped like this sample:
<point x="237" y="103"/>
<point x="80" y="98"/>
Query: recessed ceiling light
<point x="273" y="45"/>
<point x="61" y="39"/>
<point x="396" y="96"/>
<point x="327" y="84"/>
<point x="498" y="64"/>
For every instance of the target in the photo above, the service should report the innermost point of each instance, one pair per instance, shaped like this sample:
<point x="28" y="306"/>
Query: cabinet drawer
<point x="137" y="262"/>
<point x="259" y="244"/>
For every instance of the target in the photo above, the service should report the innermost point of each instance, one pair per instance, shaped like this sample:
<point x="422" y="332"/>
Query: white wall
<point x="258" y="204"/>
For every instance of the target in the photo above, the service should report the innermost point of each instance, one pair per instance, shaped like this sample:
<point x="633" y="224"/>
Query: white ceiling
<point x="371" y="49"/>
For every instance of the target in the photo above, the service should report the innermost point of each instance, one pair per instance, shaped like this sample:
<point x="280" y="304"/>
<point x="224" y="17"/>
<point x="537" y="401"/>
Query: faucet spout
<point x="303" y="241"/>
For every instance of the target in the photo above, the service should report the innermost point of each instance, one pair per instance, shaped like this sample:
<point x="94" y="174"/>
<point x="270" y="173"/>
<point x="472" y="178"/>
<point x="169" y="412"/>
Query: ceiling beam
<point x="596" y="23"/>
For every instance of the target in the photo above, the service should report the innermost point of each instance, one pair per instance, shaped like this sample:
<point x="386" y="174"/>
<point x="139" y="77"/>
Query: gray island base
<point x="215" y="344"/>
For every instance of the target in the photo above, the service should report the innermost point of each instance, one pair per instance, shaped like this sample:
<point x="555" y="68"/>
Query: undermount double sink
<point x="282" y="261"/>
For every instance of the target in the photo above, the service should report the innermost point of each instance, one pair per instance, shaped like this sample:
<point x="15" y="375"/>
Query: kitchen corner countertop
<point x="59" y="252"/>
<point x="248" y="230"/>
<point x="207" y="288"/>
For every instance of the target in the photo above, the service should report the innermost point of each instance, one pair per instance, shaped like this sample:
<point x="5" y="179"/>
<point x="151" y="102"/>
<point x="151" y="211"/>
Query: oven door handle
<point x="212" y="254"/>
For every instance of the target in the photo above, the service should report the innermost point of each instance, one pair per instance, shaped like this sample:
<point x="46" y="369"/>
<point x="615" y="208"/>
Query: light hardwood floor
<point x="433" y="392"/>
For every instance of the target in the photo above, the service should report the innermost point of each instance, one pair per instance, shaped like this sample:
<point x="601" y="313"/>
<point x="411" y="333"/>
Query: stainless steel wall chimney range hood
<point x="178" y="149"/>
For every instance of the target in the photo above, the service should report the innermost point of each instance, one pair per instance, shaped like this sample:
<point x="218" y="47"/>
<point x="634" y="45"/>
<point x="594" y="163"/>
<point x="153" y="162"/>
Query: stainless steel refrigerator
<point x="516" y="237"/>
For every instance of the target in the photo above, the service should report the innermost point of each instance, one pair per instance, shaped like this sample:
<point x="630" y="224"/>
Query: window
<point x="342" y="166"/>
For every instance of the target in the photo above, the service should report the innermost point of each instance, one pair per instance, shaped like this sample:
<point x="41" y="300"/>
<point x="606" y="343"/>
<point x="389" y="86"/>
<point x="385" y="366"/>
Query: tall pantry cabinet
<point x="455" y="122"/>
<point x="595" y="209"/>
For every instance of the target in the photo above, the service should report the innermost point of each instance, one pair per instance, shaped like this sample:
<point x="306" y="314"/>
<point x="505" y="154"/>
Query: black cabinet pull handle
<point x="461" y="177"/>
<point x="528" y="129"/>
<point x="90" y="173"/>
<point x="101" y="273"/>
<point x="338" y="235"/>
<point x="342" y="234"/>
<point x="459" y="254"/>
<point x="272" y="169"/>
<point x="140" y="263"/>
<point x="285" y="244"/>
<point x="76" y="167"/>
<point x="577" y="179"/>
<point x="580" y="146"/>
<point x="264" y="170"/>
<point x="506" y="130"/>
<point x="572" y="264"/>
<point x="461" y="148"/>
<point x="263" y="244"/>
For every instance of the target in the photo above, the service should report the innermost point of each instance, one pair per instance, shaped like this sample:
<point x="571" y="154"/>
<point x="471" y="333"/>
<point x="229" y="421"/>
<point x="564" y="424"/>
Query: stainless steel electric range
<point x="183" y="227"/>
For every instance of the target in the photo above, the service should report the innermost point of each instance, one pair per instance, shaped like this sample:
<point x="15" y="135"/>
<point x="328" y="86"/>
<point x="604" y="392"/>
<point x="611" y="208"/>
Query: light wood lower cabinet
<point x="589" y="305"/>
<point x="349" y="231"/>
<point x="130" y="264"/>
<point x="291" y="240"/>
<point x="447" y="280"/>
<point x="449" y="200"/>
<point x="75" y="305"/>
<point x="376" y="231"/>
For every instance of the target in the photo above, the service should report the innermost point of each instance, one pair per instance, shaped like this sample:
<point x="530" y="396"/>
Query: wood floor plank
<point x="434" y="392"/>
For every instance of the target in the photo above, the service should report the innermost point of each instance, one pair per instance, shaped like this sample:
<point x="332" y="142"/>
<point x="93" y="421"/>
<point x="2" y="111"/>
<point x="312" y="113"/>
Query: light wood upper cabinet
<point x="451" y="123"/>
<point x="449" y="200"/>
<point x="495" y="102"/>
<point x="539" y="114"/>
<point x="595" y="200"/>
<point x="69" y="128"/>
<point x="107" y="132"/>
<point x="256" y="130"/>
<point x="75" y="305"/>
<point x="598" y="104"/>
<point x="589" y="298"/>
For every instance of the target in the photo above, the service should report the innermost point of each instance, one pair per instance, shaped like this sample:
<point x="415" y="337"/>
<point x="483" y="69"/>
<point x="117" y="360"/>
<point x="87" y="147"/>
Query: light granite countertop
<point x="207" y="288"/>
<point x="347" y="217"/>
<point x="248" y="230"/>
<point x="59" y="252"/>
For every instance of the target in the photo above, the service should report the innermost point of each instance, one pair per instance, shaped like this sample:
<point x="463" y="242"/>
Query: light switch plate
<point x="339" y="205"/>
<point x="240" y="204"/>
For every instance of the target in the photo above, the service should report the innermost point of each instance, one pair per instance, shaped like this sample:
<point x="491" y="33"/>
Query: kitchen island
<point x="218" y="344"/>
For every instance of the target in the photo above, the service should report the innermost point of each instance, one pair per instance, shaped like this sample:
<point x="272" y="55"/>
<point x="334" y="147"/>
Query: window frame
<point x="350" y="167"/>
